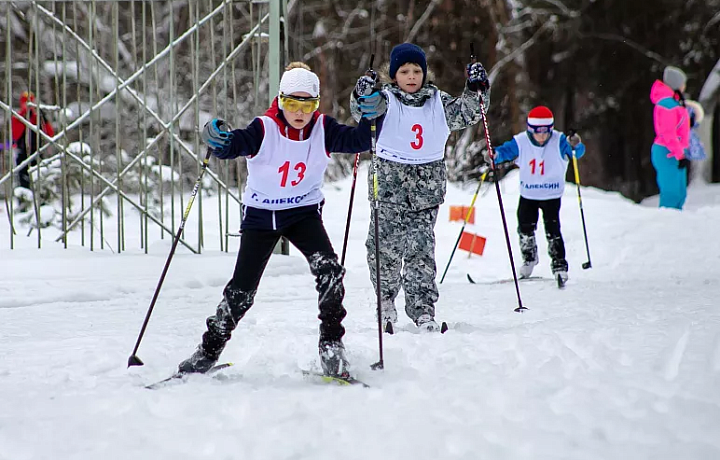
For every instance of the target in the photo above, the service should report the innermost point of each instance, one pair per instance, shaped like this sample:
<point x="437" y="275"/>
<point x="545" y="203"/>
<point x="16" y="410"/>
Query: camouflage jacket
<point x="421" y="186"/>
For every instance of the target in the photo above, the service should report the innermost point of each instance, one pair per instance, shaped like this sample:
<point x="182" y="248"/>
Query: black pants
<point x="256" y="247"/>
<point x="527" y="214"/>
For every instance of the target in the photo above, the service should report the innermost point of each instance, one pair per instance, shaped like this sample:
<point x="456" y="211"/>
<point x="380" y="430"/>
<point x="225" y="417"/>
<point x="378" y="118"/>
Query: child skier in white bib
<point x="412" y="176"/>
<point x="542" y="154"/>
<point x="287" y="151"/>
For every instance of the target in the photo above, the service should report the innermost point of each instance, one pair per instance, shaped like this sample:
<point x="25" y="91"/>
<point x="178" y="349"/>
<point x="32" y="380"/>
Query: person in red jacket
<point x="26" y="140"/>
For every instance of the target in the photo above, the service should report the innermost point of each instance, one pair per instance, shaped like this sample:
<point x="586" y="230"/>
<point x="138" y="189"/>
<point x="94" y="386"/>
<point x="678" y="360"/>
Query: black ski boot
<point x="559" y="266"/>
<point x="200" y="362"/>
<point x="332" y="358"/>
<point x="230" y="310"/>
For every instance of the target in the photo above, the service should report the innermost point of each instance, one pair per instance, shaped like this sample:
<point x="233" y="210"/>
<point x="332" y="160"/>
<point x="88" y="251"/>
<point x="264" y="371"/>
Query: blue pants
<point x="671" y="180"/>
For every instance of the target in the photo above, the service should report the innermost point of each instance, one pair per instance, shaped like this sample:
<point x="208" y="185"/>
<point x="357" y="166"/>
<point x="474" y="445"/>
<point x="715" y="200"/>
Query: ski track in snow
<point x="622" y="364"/>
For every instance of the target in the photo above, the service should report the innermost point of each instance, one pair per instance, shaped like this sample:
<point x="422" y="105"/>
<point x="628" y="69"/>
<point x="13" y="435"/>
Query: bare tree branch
<point x="517" y="51"/>
<point x="619" y="38"/>
<point x="411" y="36"/>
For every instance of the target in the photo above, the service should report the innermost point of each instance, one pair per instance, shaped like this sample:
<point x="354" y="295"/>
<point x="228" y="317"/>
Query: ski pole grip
<point x="370" y="72"/>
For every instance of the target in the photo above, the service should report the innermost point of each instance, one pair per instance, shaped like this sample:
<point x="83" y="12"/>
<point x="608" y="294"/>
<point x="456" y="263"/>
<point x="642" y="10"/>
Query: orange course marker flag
<point x="459" y="213"/>
<point x="472" y="243"/>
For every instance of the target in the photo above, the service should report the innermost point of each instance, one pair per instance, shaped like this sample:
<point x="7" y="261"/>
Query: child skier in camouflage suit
<point x="412" y="176"/>
<point x="287" y="151"/>
<point x="542" y="155"/>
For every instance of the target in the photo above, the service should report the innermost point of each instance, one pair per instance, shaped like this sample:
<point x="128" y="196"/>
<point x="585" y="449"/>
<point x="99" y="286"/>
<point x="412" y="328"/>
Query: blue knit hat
<point x="404" y="53"/>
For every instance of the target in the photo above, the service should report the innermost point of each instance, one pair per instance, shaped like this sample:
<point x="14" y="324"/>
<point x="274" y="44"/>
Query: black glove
<point x="684" y="163"/>
<point x="477" y="78"/>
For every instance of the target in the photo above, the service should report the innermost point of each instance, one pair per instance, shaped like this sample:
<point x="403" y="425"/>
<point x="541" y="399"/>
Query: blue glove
<point x="477" y="77"/>
<point x="217" y="135"/>
<point x="372" y="106"/>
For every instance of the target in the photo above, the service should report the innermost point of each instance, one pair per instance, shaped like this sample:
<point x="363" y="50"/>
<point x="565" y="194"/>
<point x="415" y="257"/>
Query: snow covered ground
<point x="623" y="364"/>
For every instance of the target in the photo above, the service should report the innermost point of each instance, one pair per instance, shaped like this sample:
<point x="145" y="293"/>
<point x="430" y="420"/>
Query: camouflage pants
<point x="407" y="257"/>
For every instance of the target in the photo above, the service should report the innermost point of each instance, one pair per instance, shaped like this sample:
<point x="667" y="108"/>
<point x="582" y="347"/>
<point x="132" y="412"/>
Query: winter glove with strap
<point x="217" y="135"/>
<point x="477" y="77"/>
<point x="365" y="85"/>
<point x="372" y="106"/>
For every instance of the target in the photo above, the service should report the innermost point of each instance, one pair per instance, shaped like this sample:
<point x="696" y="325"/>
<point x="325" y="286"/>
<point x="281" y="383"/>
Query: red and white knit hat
<point x="540" y="120"/>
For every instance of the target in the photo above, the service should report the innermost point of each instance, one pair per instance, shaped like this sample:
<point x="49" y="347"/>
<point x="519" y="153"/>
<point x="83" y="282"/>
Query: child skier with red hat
<point x="542" y="154"/>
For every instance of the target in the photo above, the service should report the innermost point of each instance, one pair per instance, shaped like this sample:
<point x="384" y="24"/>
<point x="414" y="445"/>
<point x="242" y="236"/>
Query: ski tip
<point x="469" y="278"/>
<point x="342" y="380"/>
<point x="444" y="327"/>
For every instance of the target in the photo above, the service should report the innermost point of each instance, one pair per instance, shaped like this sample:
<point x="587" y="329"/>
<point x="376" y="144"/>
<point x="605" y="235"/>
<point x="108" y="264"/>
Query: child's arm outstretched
<point x="227" y="145"/>
<point x="341" y="138"/>
<point x="508" y="151"/>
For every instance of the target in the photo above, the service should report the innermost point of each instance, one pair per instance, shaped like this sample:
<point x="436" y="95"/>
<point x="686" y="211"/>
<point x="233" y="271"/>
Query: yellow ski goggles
<point x="295" y="103"/>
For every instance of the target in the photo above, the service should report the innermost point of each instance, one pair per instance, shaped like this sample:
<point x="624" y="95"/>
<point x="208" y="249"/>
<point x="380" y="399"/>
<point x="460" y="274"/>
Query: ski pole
<point x="467" y="218"/>
<point x="376" y="216"/>
<point x="370" y="73"/>
<point x="520" y="306"/>
<point x="587" y="264"/>
<point x="350" y="206"/>
<point x="134" y="360"/>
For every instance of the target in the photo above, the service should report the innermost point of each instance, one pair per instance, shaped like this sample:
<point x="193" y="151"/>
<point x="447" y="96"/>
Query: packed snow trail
<point x="623" y="363"/>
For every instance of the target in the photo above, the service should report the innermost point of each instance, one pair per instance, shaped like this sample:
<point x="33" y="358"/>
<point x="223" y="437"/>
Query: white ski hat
<point x="300" y="80"/>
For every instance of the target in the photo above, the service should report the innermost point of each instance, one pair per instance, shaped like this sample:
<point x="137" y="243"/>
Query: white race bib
<point x="285" y="173"/>
<point x="542" y="169"/>
<point x="413" y="135"/>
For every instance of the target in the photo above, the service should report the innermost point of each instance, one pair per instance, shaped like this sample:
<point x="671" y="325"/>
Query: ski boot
<point x="560" y="271"/>
<point x="332" y="358"/>
<point x="528" y="249"/>
<point x="200" y="362"/>
<point x="389" y="316"/>
<point x="426" y="323"/>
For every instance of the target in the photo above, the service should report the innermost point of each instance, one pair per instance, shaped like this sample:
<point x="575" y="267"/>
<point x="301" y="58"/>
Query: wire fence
<point x="126" y="87"/>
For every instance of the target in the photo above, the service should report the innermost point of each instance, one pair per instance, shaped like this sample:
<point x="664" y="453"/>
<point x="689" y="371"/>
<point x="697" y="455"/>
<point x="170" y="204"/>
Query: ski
<point x="508" y="280"/>
<point x="181" y="376"/>
<point x="344" y="381"/>
<point x="390" y="329"/>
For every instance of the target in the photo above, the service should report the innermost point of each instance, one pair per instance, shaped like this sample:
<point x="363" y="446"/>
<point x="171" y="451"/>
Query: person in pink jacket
<point x="672" y="137"/>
